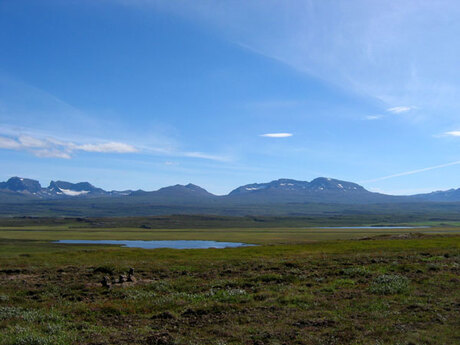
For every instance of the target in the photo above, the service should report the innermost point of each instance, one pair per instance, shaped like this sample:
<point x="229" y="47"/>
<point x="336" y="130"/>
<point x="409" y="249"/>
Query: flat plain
<point x="300" y="285"/>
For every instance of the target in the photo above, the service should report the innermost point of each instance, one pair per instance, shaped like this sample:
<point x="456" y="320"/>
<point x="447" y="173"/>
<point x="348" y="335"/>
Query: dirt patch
<point x="407" y="236"/>
<point x="314" y="323"/>
<point x="21" y="276"/>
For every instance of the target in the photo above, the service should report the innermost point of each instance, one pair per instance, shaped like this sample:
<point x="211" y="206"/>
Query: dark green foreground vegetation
<point x="397" y="289"/>
<point x="140" y="207"/>
<point x="227" y="222"/>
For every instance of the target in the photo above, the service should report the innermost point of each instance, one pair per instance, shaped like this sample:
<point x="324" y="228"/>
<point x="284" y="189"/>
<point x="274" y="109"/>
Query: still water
<point x="180" y="244"/>
<point x="373" y="227"/>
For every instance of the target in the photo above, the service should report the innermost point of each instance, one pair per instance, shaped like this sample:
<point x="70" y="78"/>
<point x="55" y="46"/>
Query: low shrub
<point x="389" y="284"/>
<point x="106" y="269"/>
<point x="357" y="271"/>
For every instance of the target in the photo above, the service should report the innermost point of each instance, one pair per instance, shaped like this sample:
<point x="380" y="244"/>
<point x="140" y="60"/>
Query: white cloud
<point x="48" y="147"/>
<point x="53" y="148"/>
<point x="412" y="172"/>
<point x="28" y="141"/>
<point x="53" y="153"/>
<point x="373" y="117"/>
<point x="8" y="143"/>
<point x="110" y="147"/>
<point x="400" y="109"/>
<point x="205" y="156"/>
<point x="277" y="135"/>
<point x="453" y="133"/>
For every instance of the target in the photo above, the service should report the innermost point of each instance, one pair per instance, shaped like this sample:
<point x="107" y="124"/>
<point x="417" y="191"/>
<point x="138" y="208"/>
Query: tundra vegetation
<point x="299" y="286"/>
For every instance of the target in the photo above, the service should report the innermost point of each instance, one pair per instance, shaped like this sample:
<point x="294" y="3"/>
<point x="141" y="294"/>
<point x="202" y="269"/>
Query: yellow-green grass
<point x="245" y="235"/>
<point x="384" y="291"/>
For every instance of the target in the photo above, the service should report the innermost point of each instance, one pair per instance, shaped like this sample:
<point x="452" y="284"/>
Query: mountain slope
<point x="179" y="194"/>
<point x="282" y="191"/>
<point x="451" y="195"/>
<point x="74" y="189"/>
<point x="322" y="189"/>
<point x="21" y="185"/>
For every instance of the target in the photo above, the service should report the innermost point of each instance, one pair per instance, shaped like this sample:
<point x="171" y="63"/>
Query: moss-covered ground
<point x="295" y="288"/>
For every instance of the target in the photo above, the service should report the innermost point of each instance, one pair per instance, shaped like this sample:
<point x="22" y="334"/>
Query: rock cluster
<point x="107" y="281"/>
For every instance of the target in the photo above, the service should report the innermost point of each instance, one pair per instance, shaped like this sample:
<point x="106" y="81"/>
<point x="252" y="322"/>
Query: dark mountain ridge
<point x="322" y="189"/>
<point x="281" y="191"/>
<point x="20" y="184"/>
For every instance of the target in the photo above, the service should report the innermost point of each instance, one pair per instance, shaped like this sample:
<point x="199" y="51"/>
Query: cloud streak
<point x="412" y="172"/>
<point x="110" y="147"/>
<point x="369" y="47"/>
<point x="400" y="109"/>
<point x="204" y="156"/>
<point x="49" y="147"/>
<point x="453" y="133"/>
<point x="52" y="148"/>
<point x="373" y="117"/>
<point x="276" y="135"/>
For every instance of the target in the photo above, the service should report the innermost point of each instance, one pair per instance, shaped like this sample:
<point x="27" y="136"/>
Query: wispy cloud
<point x="170" y="163"/>
<point x="53" y="148"/>
<point x="412" y="172"/>
<point x="204" y="156"/>
<point x="51" y="153"/>
<point x="453" y="133"/>
<point x="49" y="147"/>
<point x="110" y="147"/>
<point x="400" y="109"/>
<point x="31" y="142"/>
<point x="369" y="47"/>
<point x="373" y="117"/>
<point x="8" y="143"/>
<point x="277" y="135"/>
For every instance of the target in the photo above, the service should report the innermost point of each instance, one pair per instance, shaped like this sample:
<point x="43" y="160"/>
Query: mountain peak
<point x="21" y="184"/>
<point x="321" y="189"/>
<point x="327" y="183"/>
<point x="74" y="189"/>
<point x="188" y="188"/>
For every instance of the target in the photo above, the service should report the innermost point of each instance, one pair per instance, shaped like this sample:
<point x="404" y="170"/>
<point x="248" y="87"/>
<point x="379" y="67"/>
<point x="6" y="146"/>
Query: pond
<point x="179" y="244"/>
<point x="374" y="227"/>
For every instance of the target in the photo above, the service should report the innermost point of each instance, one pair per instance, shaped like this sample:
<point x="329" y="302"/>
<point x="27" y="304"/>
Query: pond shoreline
<point x="172" y="244"/>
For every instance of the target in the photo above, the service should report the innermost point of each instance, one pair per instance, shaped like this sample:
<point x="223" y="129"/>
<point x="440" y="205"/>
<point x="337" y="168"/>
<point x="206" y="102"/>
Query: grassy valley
<point x="300" y="285"/>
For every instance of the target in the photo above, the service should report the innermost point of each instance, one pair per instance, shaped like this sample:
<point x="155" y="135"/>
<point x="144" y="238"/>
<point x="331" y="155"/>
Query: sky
<point x="141" y="94"/>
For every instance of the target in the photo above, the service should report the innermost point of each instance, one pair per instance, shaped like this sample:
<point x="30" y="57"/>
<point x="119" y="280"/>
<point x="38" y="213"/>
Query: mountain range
<point x="319" y="190"/>
<point x="26" y="188"/>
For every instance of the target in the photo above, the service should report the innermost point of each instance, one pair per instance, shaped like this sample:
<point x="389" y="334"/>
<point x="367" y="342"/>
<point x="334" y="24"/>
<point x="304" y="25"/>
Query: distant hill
<point x="21" y="185"/>
<point x="451" y="195"/>
<point x="177" y="194"/>
<point x="23" y="196"/>
<point x="18" y="188"/>
<point x="322" y="189"/>
<point x="74" y="189"/>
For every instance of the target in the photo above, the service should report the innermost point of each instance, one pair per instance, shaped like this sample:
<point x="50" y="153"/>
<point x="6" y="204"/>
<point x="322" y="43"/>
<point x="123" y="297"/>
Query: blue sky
<point x="132" y="94"/>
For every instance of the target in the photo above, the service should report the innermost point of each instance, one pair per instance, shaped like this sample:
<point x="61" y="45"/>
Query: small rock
<point x="164" y="315"/>
<point x="131" y="277"/>
<point x="106" y="282"/>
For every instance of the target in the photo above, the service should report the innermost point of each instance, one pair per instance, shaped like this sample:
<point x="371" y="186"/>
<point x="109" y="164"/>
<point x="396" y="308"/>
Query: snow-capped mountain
<point x="322" y="189"/>
<point x="319" y="190"/>
<point x="74" y="189"/>
<point x="56" y="189"/>
<point x="21" y="185"/>
<point x="287" y="185"/>
<point x="451" y="195"/>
